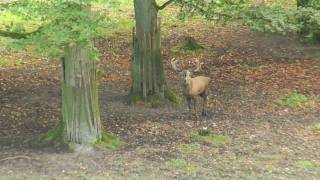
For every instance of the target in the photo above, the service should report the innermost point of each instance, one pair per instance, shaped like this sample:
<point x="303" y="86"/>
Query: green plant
<point x="292" y="100"/>
<point x="174" y="98"/>
<point x="108" y="141"/>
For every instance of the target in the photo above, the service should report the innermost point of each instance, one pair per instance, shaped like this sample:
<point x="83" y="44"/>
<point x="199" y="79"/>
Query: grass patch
<point x="180" y="165"/>
<point x="306" y="164"/>
<point x="10" y="61"/>
<point x="172" y="97"/>
<point x="213" y="139"/>
<point x="109" y="141"/>
<point x="292" y="100"/>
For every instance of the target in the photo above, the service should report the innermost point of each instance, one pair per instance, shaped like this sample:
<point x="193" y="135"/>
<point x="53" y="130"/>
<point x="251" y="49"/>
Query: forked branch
<point x="165" y="5"/>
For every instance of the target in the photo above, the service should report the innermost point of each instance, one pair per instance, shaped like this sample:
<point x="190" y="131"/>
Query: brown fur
<point x="193" y="87"/>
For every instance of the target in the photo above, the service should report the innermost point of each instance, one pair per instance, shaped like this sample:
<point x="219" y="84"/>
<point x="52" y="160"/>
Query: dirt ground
<point x="249" y="72"/>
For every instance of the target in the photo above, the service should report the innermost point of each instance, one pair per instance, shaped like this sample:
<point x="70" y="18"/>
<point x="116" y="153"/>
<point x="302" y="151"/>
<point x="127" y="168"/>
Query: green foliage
<point x="267" y="19"/>
<point x="216" y="140"/>
<point x="293" y="100"/>
<point x="61" y="23"/>
<point x="305" y="21"/>
<point x="172" y="97"/>
<point x="309" y="20"/>
<point x="315" y="4"/>
<point x="108" y="141"/>
<point x="219" y="10"/>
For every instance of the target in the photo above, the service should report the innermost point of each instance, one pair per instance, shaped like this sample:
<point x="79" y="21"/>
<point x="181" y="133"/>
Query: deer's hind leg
<point x="204" y="96"/>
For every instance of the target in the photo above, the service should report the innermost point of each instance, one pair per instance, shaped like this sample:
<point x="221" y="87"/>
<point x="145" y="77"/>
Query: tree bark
<point x="147" y="72"/>
<point x="80" y="105"/>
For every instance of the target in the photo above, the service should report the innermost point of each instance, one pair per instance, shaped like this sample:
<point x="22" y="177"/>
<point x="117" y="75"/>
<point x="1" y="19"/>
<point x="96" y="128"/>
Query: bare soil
<point x="249" y="71"/>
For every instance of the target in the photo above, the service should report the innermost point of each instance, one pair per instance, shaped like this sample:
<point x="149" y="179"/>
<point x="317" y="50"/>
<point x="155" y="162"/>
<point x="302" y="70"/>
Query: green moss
<point x="100" y="73"/>
<point x="174" y="98"/>
<point x="210" y="138"/>
<point x="108" y="141"/>
<point x="292" y="100"/>
<point x="53" y="135"/>
<point x="155" y="100"/>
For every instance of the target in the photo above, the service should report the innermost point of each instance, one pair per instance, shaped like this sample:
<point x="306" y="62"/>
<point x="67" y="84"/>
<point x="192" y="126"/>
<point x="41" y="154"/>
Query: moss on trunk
<point x="80" y="97"/>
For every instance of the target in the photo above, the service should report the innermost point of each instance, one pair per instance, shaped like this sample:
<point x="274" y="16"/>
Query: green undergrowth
<point x="213" y="139"/>
<point x="14" y="23"/>
<point x="292" y="100"/>
<point x="173" y="97"/>
<point x="109" y="141"/>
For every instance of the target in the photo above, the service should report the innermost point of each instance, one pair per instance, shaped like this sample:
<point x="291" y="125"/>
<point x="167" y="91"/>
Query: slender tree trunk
<point x="81" y="114"/>
<point x="147" y="72"/>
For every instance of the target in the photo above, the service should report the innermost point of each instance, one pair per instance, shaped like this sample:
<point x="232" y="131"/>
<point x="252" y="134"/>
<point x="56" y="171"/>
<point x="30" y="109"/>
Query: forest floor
<point x="261" y="139"/>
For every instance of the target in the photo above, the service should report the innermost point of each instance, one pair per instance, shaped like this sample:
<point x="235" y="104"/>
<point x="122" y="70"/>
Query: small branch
<point x="165" y="4"/>
<point x="17" y="35"/>
<point x="15" y="157"/>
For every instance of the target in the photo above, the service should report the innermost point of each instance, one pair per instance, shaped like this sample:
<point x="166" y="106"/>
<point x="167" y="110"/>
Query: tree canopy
<point x="54" y="24"/>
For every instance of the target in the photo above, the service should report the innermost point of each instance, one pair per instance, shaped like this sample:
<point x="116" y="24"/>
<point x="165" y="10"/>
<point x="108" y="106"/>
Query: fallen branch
<point x="16" y="157"/>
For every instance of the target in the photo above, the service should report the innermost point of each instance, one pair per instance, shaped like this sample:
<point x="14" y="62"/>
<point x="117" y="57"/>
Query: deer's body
<point x="193" y="87"/>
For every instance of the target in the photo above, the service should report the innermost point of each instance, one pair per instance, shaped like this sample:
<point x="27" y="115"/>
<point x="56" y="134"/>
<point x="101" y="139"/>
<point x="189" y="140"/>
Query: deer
<point x="192" y="87"/>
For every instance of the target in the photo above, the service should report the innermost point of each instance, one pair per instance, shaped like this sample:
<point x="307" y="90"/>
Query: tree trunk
<point x="81" y="114"/>
<point x="147" y="72"/>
